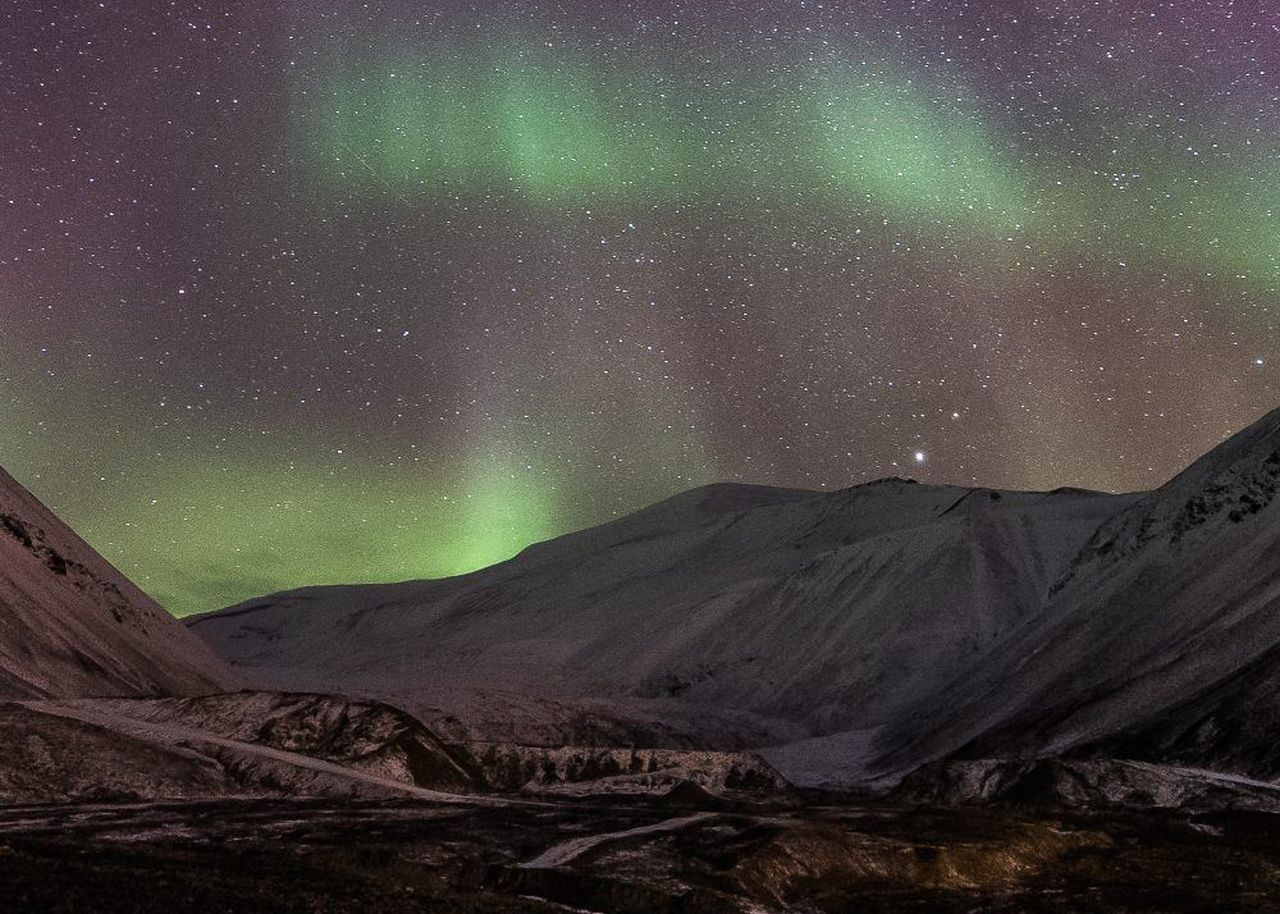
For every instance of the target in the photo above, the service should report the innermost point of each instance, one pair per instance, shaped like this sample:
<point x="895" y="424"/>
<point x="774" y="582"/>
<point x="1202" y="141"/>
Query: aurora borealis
<point x="301" y="292"/>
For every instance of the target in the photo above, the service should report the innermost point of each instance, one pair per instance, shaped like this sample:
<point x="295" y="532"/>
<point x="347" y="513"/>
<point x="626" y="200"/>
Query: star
<point x="533" y="269"/>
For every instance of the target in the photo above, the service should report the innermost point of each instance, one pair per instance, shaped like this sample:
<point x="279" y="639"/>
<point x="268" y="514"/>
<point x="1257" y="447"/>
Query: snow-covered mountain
<point x="728" y="616"/>
<point x="853" y="636"/>
<point x="73" y="626"/>
<point x="1160" y="639"/>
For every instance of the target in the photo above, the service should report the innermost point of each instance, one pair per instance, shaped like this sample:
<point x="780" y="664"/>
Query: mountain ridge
<point x="669" y="617"/>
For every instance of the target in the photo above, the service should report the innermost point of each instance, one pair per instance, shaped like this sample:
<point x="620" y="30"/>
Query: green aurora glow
<point x="415" y="296"/>
<point x="198" y="539"/>
<point x="563" y="130"/>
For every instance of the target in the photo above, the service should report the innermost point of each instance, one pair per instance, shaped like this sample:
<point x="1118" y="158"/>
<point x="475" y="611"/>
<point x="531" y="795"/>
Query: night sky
<point x="319" y="291"/>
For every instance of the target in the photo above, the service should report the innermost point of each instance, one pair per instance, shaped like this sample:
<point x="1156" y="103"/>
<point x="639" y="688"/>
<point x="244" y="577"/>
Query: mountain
<point x="1160" y="639"/>
<point x="726" y="617"/>
<point x="73" y="626"/>
<point x="853" y="636"/>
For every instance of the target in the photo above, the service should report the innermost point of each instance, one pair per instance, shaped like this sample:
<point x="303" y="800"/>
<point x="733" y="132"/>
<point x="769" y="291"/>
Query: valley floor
<point x="688" y="852"/>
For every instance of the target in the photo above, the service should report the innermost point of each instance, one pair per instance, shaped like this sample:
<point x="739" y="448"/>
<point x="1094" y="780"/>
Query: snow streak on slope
<point x="71" y="625"/>
<point x="292" y="772"/>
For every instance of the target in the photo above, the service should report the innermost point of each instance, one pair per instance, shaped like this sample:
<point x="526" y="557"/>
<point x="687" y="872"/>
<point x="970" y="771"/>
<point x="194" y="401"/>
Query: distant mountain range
<point x="848" y="638"/>
<point x="1065" y="699"/>
<point x="851" y="636"/>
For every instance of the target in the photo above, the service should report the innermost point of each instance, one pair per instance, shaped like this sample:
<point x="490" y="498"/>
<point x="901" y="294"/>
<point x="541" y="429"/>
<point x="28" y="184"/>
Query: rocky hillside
<point x="71" y="625"/>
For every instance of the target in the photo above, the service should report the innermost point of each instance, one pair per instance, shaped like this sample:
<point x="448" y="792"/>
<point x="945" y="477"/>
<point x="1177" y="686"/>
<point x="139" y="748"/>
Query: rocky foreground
<point x="301" y="802"/>
<point x="687" y="852"/>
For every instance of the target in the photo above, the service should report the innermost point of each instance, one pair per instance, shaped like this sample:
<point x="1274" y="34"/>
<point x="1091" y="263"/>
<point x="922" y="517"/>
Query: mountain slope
<point x="726" y="616"/>
<point x="1161" y="639"/>
<point x="860" y="634"/>
<point x="72" y="626"/>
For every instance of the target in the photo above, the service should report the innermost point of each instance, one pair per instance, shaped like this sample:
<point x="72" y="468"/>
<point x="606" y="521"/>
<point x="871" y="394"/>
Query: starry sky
<point x="302" y="291"/>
